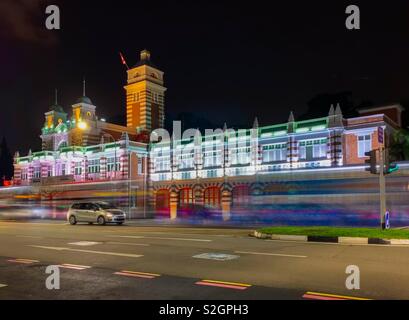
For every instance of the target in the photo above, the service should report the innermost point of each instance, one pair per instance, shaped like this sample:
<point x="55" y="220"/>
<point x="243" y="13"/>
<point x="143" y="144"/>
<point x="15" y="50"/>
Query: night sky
<point x="222" y="61"/>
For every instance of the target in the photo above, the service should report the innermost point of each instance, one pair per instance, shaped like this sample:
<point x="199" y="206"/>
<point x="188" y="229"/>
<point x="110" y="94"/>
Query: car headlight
<point x="109" y="215"/>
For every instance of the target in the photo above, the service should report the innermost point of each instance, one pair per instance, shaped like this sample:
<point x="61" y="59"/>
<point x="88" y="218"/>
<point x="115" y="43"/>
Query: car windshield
<point x="105" y="205"/>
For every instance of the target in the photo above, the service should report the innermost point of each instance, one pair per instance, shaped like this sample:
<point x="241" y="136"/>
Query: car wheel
<point x="101" y="220"/>
<point x="72" y="220"/>
<point x="119" y="223"/>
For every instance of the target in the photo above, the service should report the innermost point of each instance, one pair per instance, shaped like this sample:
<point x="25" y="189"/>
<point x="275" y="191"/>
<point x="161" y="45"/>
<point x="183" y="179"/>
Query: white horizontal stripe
<point x="271" y="254"/>
<point x="91" y="251"/>
<point x="160" y="238"/>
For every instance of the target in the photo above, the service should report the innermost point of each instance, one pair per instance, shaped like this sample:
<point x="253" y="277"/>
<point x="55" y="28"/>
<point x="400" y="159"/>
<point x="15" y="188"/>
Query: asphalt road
<point x="157" y="262"/>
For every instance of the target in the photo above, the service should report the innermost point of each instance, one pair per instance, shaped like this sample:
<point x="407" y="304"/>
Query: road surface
<point x="140" y="261"/>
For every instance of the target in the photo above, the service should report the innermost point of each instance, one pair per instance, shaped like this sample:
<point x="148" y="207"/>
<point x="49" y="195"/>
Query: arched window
<point x="241" y="195"/>
<point x="185" y="196"/>
<point x="212" y="196"/>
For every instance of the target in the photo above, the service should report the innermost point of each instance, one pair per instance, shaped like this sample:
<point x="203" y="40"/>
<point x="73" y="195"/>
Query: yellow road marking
<point x="229" y="283"/>
<point x="142" y="273"/>
<point x="335" y="296"/>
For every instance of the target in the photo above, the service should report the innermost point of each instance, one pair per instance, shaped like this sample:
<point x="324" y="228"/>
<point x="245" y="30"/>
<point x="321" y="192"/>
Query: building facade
<point x="213" y="169"/>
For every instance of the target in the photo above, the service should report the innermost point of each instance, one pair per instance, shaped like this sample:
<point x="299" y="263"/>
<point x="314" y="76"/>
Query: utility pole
<point x="382" y="186"/>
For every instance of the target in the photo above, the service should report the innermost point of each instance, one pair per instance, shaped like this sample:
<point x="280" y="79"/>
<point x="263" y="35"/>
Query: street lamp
<point x="82" y="125"/>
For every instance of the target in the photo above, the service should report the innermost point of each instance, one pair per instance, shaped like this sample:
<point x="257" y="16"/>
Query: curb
<point x="323" y="239"/>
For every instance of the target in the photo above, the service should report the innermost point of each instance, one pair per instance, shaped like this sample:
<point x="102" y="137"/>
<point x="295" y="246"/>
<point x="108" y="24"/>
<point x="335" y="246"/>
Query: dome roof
<point x="57" y="108"/>
<point x="84" y="99"/>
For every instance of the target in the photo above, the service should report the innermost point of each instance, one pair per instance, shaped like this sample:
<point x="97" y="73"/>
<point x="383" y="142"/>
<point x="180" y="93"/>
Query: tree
<point x="6" y="162"/>
<point x="399" y="149"/>
<point x="319" y="105"/>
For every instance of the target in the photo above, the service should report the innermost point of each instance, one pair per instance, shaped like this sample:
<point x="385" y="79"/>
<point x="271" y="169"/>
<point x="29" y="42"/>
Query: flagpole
<point x="123" y="60"/>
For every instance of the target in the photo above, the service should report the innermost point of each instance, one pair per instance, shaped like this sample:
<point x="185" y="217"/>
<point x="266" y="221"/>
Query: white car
<point x="95" y="212"/>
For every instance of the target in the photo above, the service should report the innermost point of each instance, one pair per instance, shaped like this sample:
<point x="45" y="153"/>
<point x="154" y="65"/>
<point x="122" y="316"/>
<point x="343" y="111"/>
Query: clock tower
<point x="145" y="95"/>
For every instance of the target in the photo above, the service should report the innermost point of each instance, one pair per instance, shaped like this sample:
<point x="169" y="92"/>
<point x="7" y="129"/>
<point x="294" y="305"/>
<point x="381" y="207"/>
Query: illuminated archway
<point x="212" y="196"/>
<point x="185" y="197"/>
<point x="241" y="195"/>
<point x="163" y="202"/>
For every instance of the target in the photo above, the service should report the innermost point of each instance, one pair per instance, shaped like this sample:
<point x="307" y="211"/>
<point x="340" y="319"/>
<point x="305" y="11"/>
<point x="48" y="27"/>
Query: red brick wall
<point x="350" y="148"/>
<point x="392" y="114"/>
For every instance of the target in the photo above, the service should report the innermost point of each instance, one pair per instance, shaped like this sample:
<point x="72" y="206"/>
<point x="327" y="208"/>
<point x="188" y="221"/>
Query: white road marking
<point x="3" y="285"/>
<point x="32" y="237"/>
<point x="187" y="234"/>
<point x="161" y="238"/>
<point x="271" y="254"/>
<point x="84" y="243"/>
<point x="119" y="254"/>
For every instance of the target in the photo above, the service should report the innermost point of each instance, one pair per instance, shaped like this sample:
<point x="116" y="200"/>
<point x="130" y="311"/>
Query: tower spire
<point x="56" y="96"/>
<point x="83" y="87"/>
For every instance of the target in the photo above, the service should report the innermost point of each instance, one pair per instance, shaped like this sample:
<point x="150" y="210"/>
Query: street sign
<point x="380" y="135"/>
<point x="387" y="224"/>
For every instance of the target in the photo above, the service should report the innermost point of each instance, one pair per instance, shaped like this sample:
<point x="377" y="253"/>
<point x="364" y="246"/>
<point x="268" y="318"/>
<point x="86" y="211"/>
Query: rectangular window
<point x="312" y="149"/>
<point x="364" y="145"/>
<point x="49" y="171"/>
<point x="37" y="172"/>
<point x="94" y="166"/>
<point x="212" y="173"/>
<point x="212" y="159"/>
<point x="162" y="162"/>
<point x="275" y="153"/>
<point x="63" y="172"/>
<point x="140" y="166"/>
<point x="186" y="175"/>
<point x="186" y="160"/>
<point x="78" y="168"/>
<point x="24" y="174"/>
<point x="240" y="155"/>
<point x="112" y="166"/>
<point x="155" y="97"/>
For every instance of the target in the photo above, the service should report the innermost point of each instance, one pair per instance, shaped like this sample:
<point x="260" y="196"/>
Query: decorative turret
<point x="83" y="109"/>
<point x="335" y="117"/>
<point x="255" y="123"/>
<point x="291" y="123"/>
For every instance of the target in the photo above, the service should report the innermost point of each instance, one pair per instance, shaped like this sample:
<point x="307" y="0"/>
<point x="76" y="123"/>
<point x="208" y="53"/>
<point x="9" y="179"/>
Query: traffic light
<point x="371" y="161"/>
<point x="389" y="167"/>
